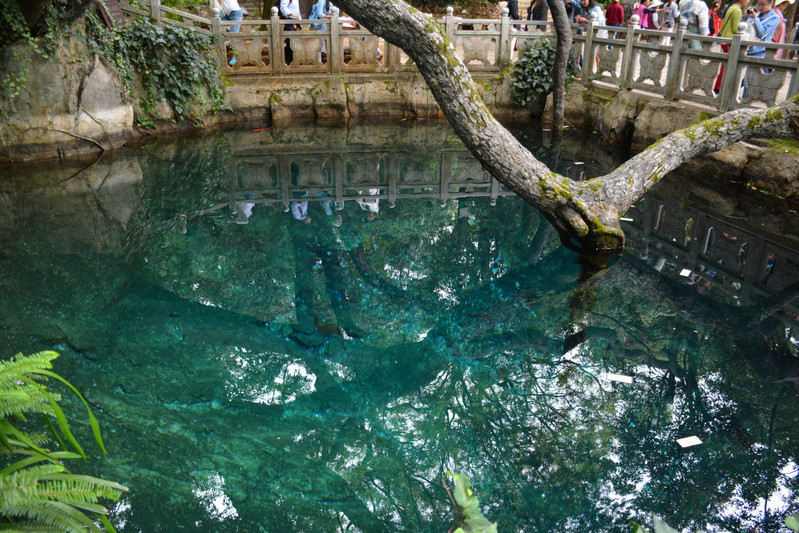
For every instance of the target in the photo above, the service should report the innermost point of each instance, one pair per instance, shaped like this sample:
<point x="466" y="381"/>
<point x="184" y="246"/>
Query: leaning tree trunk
<point x="583" y="212"/>
<point x="563" y="46"/>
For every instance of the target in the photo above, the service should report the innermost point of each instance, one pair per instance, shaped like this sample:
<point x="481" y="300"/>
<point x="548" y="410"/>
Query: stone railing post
<point x="629" y="53"/>
<point x="588" y="48"/>
<point x="449" y="24"/>
<point x="216" y="29"/>
<point x="155" y="11"/>
<point x="504" y="41"/>
<point x="674" y="72"/>
<point x="335" y="56"/>
<point x="793" y="89"/>
<point x="729" y="81"/>
<point x="276" y="50"/>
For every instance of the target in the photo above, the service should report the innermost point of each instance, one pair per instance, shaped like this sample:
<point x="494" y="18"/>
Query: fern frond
<point x="20" y="365"/>
<point x="47" y="495"/>
<point x="24" y="397"/>
<point x="35" y="457"/>
<point x="37" y="493"/>
<point x="20" y="388"/>
<point x="51" y="482"/>
<point x="56" y="515"/>
<point x="67" y="488"/>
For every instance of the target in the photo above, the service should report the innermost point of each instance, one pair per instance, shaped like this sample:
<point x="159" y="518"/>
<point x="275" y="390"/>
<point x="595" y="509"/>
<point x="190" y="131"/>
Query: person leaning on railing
<point x="729" y="26"/>
<point x="232" y="12"/>
<point x="321" y="11"/>
<point x="696" y="13"/>
<point x="290" y="9"/>
<point x="779" y="33"/>
<point x="765" y="21"/>
<point x="670" y="10"/>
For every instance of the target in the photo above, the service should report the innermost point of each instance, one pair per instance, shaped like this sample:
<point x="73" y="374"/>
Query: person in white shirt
<point x="696" y="13"/>
<point x="232" y="11"/>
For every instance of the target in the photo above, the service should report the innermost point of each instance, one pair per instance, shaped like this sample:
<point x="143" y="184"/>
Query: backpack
<point x="714" y="22"/>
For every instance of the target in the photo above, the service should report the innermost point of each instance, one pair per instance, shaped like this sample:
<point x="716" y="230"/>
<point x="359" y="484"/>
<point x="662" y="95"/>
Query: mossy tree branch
<point x="587" y="212"/>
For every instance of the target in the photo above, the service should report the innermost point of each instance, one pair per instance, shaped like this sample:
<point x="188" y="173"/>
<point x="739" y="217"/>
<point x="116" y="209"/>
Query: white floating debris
<point x="685" y="272"/>
<point x="621" y="378"/>
<point x="579" y="163"/>
<point x="625" y="219"/>
<point x="689" y="441"/>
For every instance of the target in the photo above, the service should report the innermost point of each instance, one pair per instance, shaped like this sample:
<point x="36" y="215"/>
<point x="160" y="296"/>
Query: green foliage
<point x="53" y="22"/>
<point x="172" y="64"/>
<point x="38" y="490"/>
<point x="470" y="516"/>
<point x="185" y="5"/>
<point x="793" y="522"/>
<point x="532" y="74"/>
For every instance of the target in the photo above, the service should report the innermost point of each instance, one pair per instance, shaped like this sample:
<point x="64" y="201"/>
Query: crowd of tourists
<point x="765" y="19"/>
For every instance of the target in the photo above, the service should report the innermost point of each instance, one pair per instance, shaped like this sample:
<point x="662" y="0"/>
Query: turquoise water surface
<point x="307" y="329"/>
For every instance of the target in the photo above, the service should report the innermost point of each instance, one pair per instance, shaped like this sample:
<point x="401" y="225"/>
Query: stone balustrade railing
<point x="676" y="65"/>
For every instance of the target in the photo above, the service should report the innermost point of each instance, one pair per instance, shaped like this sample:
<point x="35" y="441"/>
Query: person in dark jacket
<point x="538" y="10"/>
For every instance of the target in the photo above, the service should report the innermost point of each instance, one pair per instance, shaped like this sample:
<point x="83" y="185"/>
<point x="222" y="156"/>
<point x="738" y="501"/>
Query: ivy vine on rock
<point x="532" y="75"/>
<point x="170" y="65"/>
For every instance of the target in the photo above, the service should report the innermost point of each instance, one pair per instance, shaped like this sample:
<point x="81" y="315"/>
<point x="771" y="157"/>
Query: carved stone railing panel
<point x="700" y="76"/>
<point x="468" y="176"/>
<point x="311" y="172"/>
<point x="258" y="173"/>
<point x="609" y="57"/>
<point x="651" y="67"/>
<point x="477" y="49"/>
<point x="576" y="52"/>
<point x="364" y="51"/>
<point x="249" y="52"/>
<point x="307" y="51"/>
<point x="762" y="86"/>
<point x="363" y="172"/>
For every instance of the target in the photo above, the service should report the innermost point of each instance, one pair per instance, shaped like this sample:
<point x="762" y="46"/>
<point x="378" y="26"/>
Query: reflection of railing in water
<point x="749" y="265"/>
<point x="281" y="178"/>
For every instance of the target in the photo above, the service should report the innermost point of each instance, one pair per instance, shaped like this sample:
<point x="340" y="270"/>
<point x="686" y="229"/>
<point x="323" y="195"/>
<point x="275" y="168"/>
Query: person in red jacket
<point x="714" y="19"/>
<point x="614" y="14"/>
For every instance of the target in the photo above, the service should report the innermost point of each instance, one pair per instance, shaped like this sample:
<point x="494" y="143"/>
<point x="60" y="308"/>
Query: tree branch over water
<point x="585" y="212"/>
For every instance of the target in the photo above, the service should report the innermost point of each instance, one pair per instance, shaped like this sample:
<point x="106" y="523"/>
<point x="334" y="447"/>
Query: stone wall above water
<point x="79" y="105"/>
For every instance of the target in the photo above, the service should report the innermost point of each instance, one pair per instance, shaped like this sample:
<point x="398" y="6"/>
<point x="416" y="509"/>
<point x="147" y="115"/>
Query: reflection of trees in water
<point x="709" y="373"/>
<point x="531" y="426"/>
<point x="466" y="311"/>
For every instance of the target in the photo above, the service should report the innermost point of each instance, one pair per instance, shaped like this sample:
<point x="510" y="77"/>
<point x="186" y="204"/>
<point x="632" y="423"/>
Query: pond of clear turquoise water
<point x="257" y="372"/>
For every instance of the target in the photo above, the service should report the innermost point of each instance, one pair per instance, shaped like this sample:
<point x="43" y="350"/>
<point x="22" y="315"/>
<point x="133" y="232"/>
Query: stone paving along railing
<point x="676" y="65"/>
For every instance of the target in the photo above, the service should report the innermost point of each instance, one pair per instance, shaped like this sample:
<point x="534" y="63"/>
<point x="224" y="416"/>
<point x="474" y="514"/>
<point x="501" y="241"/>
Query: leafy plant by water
<point x="532" y="74"/>
<point x="470" y="518"/>
<point x="39" y="492"/>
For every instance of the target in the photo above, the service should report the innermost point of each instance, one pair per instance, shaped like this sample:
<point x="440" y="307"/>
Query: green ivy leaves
<point x="172" y="65"/>
<point x="532" y="74"/>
